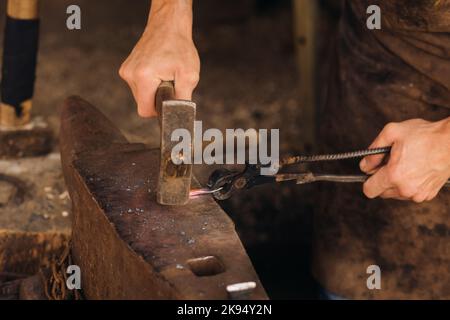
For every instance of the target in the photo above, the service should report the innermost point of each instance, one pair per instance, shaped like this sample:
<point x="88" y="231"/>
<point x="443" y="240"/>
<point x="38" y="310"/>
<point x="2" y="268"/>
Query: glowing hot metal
<point x="202" y="192"/>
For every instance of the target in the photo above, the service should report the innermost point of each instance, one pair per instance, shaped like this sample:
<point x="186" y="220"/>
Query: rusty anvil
<point x="126" y="244"/>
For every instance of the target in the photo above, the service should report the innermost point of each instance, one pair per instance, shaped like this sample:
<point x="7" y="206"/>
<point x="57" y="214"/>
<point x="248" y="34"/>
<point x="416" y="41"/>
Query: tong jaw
<point x="230" y="182"/>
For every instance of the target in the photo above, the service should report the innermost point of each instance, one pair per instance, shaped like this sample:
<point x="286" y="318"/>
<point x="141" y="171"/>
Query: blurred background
<point x="259" y="61"/>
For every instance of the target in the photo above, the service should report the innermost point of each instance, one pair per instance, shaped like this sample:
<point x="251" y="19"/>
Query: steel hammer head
<point x="174" y="182"/>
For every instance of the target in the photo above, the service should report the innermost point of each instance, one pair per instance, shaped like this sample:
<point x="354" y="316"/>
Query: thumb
<point x="386" y="138"/>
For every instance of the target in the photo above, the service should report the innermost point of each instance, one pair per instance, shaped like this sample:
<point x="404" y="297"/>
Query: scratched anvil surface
<point x="127" y="245"/>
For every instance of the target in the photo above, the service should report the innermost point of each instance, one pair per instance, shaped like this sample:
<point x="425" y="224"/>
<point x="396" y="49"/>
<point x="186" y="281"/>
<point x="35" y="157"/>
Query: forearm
<point x="176" y="15"/>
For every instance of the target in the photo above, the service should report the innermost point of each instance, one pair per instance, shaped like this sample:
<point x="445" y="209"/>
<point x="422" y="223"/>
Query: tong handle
<point x="311" y="177"/>
<point x="334" y="156"/>
<point x="165" y="91"/>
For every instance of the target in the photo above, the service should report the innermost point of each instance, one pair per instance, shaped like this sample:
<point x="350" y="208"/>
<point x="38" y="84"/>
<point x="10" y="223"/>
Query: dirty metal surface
<point x="127" y="245"/>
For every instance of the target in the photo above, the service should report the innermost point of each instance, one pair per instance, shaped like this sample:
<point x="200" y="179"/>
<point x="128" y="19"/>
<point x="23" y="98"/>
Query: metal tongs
<point x="224" y="183"/>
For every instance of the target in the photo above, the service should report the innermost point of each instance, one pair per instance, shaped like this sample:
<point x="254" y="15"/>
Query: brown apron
<point x="400" y="72"/>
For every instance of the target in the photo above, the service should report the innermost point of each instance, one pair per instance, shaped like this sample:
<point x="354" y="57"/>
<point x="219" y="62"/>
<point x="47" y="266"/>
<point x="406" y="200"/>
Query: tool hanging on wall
<point x="19" y="62"/>
<point x="224" y="183"/>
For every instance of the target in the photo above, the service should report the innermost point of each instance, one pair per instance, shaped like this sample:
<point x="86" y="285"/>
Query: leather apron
<point x="394" y="74"/>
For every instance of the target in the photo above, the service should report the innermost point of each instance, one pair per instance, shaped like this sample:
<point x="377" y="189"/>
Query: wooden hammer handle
<point x="166" y="91"/>
<point x="23" y="9"/>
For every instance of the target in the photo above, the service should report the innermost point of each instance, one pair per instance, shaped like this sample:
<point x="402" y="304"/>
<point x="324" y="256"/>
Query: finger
<point x="144" y="94"/>
<point x="372" y="172"/>
<point x="392" y="193"/>
<point x="185" y="83"/>
<point x="133" y="91"/>
<point x="377" y="184"/>
<point x="434" y="189"/>
<point x="432" y="195"/>
<point x="370" y="164"/>
<point x="386" y="138"/>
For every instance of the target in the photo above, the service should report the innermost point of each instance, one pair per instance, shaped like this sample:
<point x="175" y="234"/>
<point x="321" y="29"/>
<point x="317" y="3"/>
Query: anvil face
<point x="129" y="246"/>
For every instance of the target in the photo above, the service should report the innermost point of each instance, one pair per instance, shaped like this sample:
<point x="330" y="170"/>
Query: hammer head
<point x="174" y="181"/>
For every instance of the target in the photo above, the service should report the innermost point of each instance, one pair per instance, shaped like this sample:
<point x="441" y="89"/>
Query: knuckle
<point x="195" y="78"/>
<point x="390" y="128"/>
<point x="124" y="72"/>
<point x="192" y="78"/>
<point x="417" y="121"/>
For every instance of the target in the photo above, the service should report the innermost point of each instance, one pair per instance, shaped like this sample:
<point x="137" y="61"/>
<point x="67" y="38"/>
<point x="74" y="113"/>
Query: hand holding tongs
<point x="224" y="183"/>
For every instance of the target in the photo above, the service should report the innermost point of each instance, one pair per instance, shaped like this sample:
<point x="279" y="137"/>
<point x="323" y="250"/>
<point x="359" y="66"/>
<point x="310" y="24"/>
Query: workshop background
<point x="251" y="78"/>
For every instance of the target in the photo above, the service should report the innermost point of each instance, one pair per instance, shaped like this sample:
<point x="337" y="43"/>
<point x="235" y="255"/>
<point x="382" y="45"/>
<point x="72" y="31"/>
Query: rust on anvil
<point x="127" y="245"/>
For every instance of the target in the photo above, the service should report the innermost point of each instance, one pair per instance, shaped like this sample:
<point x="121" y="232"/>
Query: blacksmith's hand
<point x="165" y="52"/>
<point x="418" y="165"/>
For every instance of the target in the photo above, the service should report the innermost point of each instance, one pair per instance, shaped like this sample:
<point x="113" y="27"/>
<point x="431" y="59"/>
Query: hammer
<point x="174" y="181"/>
<point x="19" y="62"/>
